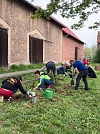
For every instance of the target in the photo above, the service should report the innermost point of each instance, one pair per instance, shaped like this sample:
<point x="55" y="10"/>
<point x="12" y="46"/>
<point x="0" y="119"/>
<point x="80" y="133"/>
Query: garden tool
<point x="55" y="81"/>
<point x="72" y="80"/>
<point x="48" y="93"/>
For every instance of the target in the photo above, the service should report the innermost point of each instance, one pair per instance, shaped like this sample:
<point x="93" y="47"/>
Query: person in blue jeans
<point x="44" y="80"/>
<point x="82" y="69"/>
<point x="60" y="70"/>
<point x="63" y="69"/>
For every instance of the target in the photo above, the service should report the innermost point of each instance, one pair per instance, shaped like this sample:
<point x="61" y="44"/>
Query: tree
<point x="93" y="50"/>
<point x="90" y="52"/>
<point x="71" y="9"/>
<point x="96" y="57"/>
<point x="87" y="52"/>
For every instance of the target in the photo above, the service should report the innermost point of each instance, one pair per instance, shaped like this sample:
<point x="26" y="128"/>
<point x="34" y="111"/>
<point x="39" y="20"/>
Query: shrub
<point x="96" y="58"/>
<point x="14" y="67"/>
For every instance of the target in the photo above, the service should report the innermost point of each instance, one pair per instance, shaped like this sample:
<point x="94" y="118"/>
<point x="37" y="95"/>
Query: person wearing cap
<point x="10" y="86"/>
<point x="82" y="69"/>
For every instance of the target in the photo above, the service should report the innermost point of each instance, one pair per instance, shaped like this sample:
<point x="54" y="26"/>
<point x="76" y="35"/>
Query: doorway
<point x="35" y="50"/>
<point x="76" y="53"/>
<point x="3" y="47"/>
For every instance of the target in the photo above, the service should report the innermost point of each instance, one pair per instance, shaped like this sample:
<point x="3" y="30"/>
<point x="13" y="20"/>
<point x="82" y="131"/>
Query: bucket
<point x="34" y="99"/>
<point x="49" y="93"/>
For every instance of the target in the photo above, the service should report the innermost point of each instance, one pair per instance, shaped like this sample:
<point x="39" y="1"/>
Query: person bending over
<point x="44" y="80"/>
<point x="10" y="86"/>
<point x="82" y="69"/>
<point x="50" y="66"/>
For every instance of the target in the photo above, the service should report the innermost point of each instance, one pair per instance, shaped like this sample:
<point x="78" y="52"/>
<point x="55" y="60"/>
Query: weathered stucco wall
<point x="17" y="18"/>
<point x="53" y="40"/>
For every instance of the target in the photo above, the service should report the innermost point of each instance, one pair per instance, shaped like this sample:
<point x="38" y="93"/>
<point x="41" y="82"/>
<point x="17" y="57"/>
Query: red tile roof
<point x="68" y="31"/>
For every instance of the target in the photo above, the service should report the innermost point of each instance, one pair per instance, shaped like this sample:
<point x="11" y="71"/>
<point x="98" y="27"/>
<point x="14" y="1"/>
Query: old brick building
<point x="24" y="40"/>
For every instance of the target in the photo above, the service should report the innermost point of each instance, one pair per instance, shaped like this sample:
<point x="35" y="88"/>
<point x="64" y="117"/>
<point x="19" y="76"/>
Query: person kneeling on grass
<point x="63" y="69"/>
<point x="44" y="80"/>
<point x="10" y="86"/>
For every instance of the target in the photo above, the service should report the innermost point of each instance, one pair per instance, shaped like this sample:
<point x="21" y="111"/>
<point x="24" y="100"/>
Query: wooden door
<point x="3" y="47"/>
<point x="35" y="50"/>
<point x="76" y="53"/>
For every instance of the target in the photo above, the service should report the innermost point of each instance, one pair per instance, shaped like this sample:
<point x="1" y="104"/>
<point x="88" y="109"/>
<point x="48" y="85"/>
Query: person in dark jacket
<point x="91" y="72"/>
<point x="50" y="66"/>
<point x="10" y="86"/>
<point x="82" y="69"/>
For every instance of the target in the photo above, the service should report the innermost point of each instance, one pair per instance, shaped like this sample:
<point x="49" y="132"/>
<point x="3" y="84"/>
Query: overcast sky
<point x="86" y="35"/>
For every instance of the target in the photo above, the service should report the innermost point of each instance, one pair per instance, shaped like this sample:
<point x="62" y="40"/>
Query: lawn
<point x="69" y="112"/>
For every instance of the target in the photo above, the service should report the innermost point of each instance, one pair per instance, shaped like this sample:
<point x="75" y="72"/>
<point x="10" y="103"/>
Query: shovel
<point x="72" y="82"/>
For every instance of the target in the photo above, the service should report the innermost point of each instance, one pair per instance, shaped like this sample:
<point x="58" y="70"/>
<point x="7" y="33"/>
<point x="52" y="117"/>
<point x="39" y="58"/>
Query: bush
<point x="96" y="58"/>
<point x="22" y="67"/>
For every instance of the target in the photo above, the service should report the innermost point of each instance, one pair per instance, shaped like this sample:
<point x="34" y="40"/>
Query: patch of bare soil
<point x="54" y="99"/>
<point x="59" y="91"/>
<point x="69" y="94"/>
<point x="40" y="99"/>
<point x="68" y="90"/>
<point x="68" y="87"/>
<point x="65" y="90"/>
<point x="18" y="98"/>
<point x="60" y="79"/>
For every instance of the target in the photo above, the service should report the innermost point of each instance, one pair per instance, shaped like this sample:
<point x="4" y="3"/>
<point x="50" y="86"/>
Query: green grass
<point x="70" y="112"/>
<point x="20" y="67"/>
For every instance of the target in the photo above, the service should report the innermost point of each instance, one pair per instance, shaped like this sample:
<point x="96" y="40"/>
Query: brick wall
<point x="68" y="49"/>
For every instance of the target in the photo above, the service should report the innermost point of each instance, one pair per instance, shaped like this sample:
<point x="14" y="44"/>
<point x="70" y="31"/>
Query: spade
<point x="72" y="82"/>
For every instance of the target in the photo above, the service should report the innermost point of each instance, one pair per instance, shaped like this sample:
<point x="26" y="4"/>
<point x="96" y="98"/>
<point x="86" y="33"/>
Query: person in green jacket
<point x="44" y="79"/>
